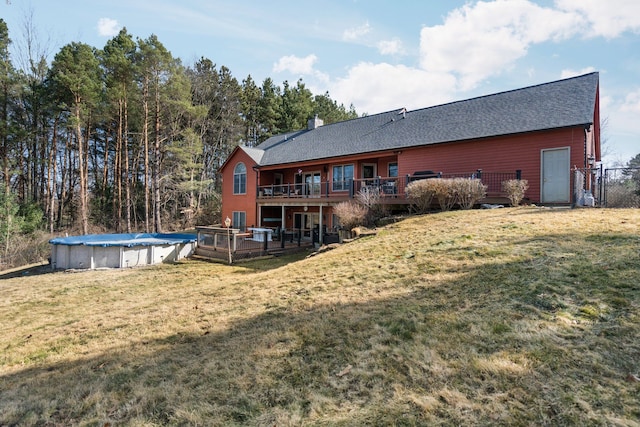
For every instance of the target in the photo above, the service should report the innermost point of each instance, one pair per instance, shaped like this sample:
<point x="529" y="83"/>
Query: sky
<point x="376" y="55"/>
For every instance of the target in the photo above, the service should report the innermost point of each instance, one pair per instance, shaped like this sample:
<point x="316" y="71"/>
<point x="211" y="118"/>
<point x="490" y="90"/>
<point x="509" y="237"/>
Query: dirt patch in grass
<point x="525" y="316"/>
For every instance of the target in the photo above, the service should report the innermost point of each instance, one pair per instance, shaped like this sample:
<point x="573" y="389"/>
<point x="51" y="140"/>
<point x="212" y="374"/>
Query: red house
<point x="538" y="133"/>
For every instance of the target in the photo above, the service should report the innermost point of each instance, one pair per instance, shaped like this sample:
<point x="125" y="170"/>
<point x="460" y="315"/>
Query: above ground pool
<point x="119" y="250"/>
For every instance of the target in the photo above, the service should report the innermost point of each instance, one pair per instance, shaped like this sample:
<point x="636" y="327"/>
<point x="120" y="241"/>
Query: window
<point x="393" y="170"/>
<point x="240" y="220"/>
<point x="239" y="179"/>
<point x="368" y="171"/>
<point x="342" y="175"/>
<point x="335" y="222"/>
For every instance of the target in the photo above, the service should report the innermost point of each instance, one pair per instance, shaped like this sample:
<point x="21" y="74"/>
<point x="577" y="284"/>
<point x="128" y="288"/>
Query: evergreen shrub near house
<point x="515" y="189"/>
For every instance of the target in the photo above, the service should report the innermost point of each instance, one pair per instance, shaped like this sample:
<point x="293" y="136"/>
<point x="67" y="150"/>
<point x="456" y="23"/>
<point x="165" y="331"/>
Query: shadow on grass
<point x="247" y="266"/>
<point x="30" y="270"/>
<point x="483" y="349"/>
<point x="252" y="265"/>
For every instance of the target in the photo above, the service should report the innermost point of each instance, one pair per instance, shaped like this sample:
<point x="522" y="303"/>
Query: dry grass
<point x="519" y="316"/>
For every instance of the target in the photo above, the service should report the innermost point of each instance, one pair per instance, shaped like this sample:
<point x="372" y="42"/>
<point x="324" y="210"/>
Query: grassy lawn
<point x="519" y="316"/>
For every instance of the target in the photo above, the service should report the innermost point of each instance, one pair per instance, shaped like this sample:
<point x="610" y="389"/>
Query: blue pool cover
<point x="127" y="239"/>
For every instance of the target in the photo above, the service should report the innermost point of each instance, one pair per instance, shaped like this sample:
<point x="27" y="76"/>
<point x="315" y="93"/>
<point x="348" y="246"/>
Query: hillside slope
<point x="524" y="316"/>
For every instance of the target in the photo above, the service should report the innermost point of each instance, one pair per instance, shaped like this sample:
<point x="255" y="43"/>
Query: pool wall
<point x="119" y="250"/>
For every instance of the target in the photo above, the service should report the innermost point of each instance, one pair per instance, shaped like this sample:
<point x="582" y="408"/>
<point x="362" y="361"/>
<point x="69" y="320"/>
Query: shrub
<point x="468" y="191"/>
<point x="350" y="214"/>
<point x="445" y="192"/>
<point x="515" y="189"/>
<point x="448" y="191"/>
<point x="421" y="193"/>
<point x="370" y="199"/>
<point x="31" y="218"/>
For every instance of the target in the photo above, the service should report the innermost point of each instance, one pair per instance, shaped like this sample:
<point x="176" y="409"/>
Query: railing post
<point x="600" y="184"/>
<point x="299" y="236"/>
<point x="266" y="240"/>
<point x="518" y="174"/>
<point x="479" y="174"/>
<point x="282" y="234"/>
<point x="351" y="189"/>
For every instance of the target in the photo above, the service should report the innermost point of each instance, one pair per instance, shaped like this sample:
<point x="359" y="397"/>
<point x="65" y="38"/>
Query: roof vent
<point x="314" y="123"/>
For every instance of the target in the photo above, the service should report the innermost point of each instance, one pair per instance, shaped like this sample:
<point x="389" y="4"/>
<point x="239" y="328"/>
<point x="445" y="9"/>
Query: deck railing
<point x="493" y="180"/>
<point x="220" y="242"/>
<point x="387" y="187"/>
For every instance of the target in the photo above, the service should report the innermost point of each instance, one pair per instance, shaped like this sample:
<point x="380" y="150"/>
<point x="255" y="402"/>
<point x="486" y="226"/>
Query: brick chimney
<point x="314" y="123"/>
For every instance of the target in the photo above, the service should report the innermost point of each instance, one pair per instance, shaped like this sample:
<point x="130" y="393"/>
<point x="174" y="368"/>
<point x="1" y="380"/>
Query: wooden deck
<point x="216" y="243"/>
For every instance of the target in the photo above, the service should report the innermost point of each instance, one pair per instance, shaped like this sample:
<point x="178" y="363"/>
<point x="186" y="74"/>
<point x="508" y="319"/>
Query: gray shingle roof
<point x="563" y="103"/>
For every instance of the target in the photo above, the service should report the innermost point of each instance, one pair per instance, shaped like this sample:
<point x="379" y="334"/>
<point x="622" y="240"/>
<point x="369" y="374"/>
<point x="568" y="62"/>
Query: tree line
<point x="127" y="138"/>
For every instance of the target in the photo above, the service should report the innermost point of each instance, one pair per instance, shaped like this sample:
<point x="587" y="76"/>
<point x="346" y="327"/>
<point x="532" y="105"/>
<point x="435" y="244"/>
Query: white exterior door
<point x="555" y="176"/>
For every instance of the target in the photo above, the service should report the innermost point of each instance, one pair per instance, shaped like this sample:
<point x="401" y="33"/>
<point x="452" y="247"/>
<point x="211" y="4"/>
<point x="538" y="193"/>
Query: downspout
<point x="586" y="129"/>
<point x="586" y="159"/>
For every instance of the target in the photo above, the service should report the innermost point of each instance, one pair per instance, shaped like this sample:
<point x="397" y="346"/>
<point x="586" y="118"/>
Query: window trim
<point x="241" y="225"/>
<point x="389" y="169"/>
<point x="242" y="183"/>
<point x="341" y="185"/>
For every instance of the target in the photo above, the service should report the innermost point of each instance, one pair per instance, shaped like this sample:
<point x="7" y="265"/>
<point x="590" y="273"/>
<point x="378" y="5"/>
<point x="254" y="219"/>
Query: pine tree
<point x="117" y="61"/>
<point x="269" y="109"/>
<point x="250" y="111"/>
<point x="155" y="66"/>
<point x="6" y="70"/>
<point x="75" y="69"/>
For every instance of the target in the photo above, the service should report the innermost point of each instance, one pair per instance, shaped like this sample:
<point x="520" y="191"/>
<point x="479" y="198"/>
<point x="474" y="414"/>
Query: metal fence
<point x="620" y="188"/>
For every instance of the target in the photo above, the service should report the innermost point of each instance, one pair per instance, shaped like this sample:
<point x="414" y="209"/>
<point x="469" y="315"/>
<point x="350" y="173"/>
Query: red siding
<point x="239" y="202"/>
<point x="502" y="154"/>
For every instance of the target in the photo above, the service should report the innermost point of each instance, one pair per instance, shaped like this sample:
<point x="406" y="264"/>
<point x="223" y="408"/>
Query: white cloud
<point x="299" y="66"/>
<point x="390" y="47"/>
<point x="352" y="34"/>
<point x="485" y="38"/>
<point x="605" y="18"/>
<point x="631" y="103"/>
<point x="476" y="41"/>
<point x="108" y="27"/>
<point x="374" y="88"/>
<point x="623" y="127"/>
<point x="295" y="65"/>
<point x="565" y="74"/>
